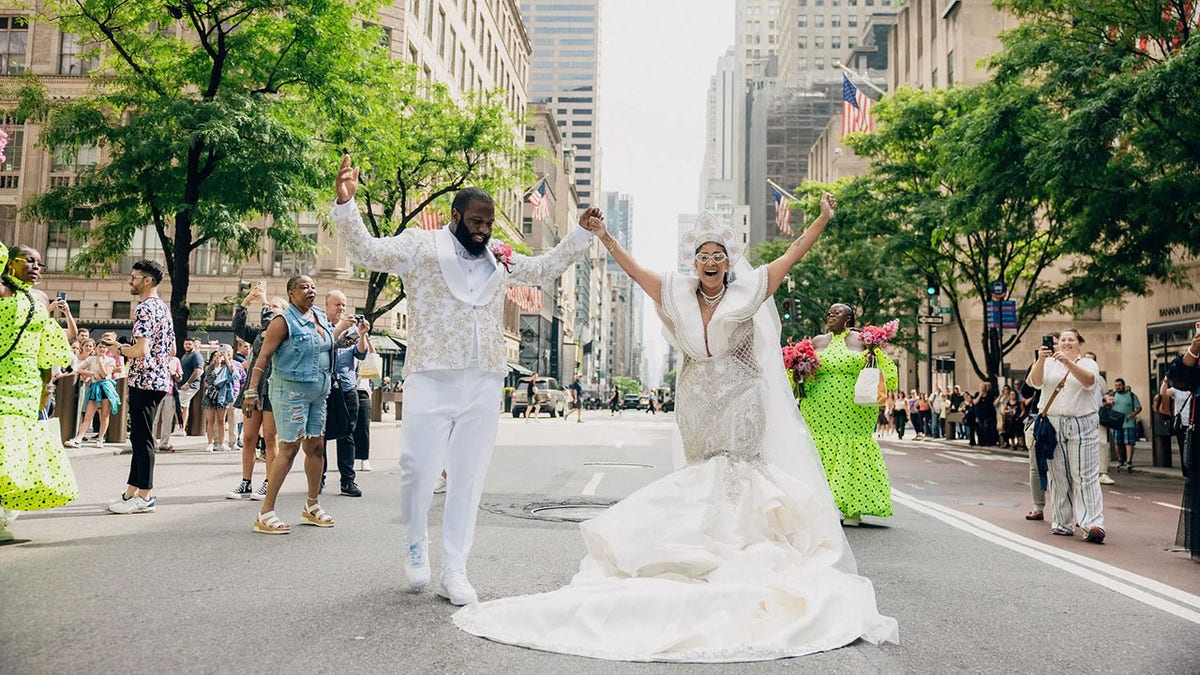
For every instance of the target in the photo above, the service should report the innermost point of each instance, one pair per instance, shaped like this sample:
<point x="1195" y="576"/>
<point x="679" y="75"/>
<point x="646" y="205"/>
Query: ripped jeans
<point x="299" y="407"/>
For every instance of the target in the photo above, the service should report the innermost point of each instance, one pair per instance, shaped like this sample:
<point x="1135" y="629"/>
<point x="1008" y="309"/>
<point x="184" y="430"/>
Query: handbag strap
<point x="1053" y="395"/>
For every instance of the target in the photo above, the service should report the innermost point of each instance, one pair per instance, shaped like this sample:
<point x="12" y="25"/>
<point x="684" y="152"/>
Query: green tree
<point x="206" y="112"/>
<point x="627" y="385"/>
<point x="1122" y="167"/>
<point x="669" y="380"/>
<point x="850" y="263"/>
<point x="417" y="146"/>
<point x="955" y="189"/>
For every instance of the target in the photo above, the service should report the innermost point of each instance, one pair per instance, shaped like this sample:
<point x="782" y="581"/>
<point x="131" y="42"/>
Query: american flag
<point x="540" y="201"/>
<point x="783" y="211"/>
<point x="429" y="218"/>
<point x="856" y="109"/>
<point x="527" y="298"/>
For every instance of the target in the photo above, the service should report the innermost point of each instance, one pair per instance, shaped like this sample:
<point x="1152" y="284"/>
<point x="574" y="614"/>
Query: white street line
<point x="1122" y="581"/>
<point x="957" y="459"/>
<point x="590" y="488"/>
<point x="1170" y="506"/>
<point x="989" y="458"/>
<point x="887" y="451"/>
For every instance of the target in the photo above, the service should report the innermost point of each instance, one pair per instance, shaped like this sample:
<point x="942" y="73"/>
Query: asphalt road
<point x="974" y="586"/>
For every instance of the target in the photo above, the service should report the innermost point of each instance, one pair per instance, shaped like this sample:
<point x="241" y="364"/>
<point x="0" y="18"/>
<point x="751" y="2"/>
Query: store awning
<point x="519" y="369"/>
<point x="385" y="344"/>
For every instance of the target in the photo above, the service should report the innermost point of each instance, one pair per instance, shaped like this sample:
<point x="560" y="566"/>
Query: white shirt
<point x="477" y="268"/>
<point x="1075" y="400"/>
<point x="1101" y="388"/>
<point x="1181" y="404"/>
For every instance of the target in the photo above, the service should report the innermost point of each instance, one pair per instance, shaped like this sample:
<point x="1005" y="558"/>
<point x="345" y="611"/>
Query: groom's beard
<point x="463" y="235"/>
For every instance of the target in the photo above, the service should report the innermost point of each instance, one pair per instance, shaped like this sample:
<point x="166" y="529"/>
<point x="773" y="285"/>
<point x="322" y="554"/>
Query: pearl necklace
<point x="711" y="300"/>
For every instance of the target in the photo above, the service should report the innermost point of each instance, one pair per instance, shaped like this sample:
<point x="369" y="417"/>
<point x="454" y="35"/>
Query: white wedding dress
<point x="737" y="556"/>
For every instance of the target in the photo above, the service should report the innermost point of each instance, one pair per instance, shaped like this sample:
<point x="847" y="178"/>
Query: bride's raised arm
<point x="778" y="268"/>
<point x="649" y="280"/>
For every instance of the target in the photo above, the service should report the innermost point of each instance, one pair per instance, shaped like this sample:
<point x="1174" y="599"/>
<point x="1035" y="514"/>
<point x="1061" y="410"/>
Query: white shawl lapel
<point x="452" y="271"/>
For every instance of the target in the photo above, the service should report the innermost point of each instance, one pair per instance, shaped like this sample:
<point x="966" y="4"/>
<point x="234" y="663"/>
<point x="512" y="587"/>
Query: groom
<point x="455" y="366"/>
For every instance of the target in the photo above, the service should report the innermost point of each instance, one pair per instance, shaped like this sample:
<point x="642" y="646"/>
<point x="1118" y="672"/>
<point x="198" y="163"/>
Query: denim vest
<point x="304" y="356"/>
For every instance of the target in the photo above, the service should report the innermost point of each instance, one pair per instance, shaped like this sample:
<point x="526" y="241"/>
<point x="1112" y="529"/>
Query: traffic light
<point x="931" y="284"/>
<point x="789" y="306"/>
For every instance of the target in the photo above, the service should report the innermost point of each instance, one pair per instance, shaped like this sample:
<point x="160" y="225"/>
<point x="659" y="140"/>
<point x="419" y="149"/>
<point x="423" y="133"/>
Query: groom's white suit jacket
<point x="446" y="316"/>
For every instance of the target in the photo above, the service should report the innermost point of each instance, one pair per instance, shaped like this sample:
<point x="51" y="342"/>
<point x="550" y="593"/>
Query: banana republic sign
<point x="1179" y="310"/>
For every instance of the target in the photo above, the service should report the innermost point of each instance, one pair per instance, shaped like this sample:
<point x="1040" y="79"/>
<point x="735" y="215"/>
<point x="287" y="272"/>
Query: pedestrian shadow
<point x="14" y="542"/>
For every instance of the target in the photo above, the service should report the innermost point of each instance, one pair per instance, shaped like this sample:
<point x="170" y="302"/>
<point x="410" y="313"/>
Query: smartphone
<point x="359" y="318"/>
<point x="1048" y="342"/>
<point x="62" y="295"/>
<point x="1197" y="323"/>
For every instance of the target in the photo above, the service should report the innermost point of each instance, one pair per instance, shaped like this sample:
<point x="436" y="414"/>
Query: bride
<point x="739" y="555"/>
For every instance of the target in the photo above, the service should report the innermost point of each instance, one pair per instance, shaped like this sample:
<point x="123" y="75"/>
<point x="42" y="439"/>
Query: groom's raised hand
<point x="347" y="181"/>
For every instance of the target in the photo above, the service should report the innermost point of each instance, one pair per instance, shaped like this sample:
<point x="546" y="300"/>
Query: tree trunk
<point x="180" y="270"/>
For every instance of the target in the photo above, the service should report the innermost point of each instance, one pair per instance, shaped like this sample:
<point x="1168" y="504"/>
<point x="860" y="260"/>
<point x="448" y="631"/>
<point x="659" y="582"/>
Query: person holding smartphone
<point x="1184" y="374"/>
<point x="1067" y="381"/>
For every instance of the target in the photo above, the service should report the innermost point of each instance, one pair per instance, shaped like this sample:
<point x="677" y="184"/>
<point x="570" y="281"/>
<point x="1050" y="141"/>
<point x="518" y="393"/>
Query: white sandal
<point x="313" y="514"/>
<point x="269" y="523"/>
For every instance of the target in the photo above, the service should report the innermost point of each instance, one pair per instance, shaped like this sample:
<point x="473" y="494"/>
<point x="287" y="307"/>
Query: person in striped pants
<point x="1074" y="489"/>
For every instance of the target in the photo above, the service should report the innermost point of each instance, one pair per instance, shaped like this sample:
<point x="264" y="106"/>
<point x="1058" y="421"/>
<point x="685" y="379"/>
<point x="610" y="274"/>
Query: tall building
<point x="565" y="74"/>
<point x="465" y="44"/>
<point x="726" y="96"/>
<point x="624" y="326"/>
<point x="756" y="34"/>
<point x="815" y="36"/>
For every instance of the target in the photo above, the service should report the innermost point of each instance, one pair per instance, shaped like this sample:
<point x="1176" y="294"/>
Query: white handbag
<point x="869" y="388"/>
<point x="371" y="367"/>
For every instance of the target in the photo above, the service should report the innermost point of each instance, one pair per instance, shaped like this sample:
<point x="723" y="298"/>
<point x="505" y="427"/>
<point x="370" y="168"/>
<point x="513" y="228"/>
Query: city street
<point x="975" y="587"/>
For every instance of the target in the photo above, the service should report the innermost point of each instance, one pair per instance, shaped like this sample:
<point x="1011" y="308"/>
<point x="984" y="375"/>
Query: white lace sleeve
<point x="540" y="269"/>
<point x="384" y="254"/>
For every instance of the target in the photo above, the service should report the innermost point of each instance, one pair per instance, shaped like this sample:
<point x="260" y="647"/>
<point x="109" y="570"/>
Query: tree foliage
<point x="627" y="385"/>
<point x="1120" y="77"/>
<point x="205" y="110"/>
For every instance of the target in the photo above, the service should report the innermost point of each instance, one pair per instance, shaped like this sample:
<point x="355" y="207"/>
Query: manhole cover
<point x="564" y="510"/>
<point x="627" y="465"/>
<point x="570" y="513"/>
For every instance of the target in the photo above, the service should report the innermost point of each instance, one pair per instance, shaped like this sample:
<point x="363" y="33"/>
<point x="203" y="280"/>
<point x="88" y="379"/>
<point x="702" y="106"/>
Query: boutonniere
<point x="504" y="255"/>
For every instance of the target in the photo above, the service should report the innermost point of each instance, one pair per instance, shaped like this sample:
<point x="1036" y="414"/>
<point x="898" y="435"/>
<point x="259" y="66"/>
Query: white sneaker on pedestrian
<point x="416" y="565"/>
<point x="134" y="504"/>
<point x="71" y="443"/>
<point x="99" y="442"/>
<point x="223" y="448"/>
<point x="1105" y="480"/>
<point x="212" y="447"/>
<point x="455" y="588"/>
<point x="439" y="486"/>
<point x="366" y="465"/>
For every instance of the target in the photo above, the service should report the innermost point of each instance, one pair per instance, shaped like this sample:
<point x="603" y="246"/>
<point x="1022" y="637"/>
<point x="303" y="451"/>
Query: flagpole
<point x="781" y="190"/>
<point x="861" y="78"/>
<point x="535" y="186"/>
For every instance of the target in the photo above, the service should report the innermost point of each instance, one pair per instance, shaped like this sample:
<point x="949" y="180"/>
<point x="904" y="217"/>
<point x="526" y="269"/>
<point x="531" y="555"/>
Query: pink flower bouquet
<point x="878" y="336"/>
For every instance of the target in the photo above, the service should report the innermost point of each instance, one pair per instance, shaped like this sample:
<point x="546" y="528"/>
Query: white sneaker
<point x="366" y="465"/>
<point x="851" y="521"/>
<point x="71" y="443"/>
<point x="439" y="486"/>
<point x="134" y="504"/>
<point x="455" y="588"/>
<point x="99" y="442"/>
<point x="5" y="535"/>
<point x="1105" y="480"/>
<point x="212" y="447"/>
<point x="416" y="565"/>
<point x="222" y="448"/>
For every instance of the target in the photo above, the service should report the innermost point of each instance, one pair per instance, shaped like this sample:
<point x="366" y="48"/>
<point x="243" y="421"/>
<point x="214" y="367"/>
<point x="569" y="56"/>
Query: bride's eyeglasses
<point x="717" y="257"/>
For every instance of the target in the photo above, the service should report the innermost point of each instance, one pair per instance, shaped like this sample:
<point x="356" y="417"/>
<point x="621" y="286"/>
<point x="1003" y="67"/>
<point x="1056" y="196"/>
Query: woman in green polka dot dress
<point x="34" y="471"/>
<point x="843" y="429"/>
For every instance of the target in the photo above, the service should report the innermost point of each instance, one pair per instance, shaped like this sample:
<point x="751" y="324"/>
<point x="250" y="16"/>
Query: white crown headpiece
<point x="710" y="228"/>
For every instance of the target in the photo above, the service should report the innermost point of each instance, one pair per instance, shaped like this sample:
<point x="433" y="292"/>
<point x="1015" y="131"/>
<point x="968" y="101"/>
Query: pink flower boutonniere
<point x="504" y="255"/>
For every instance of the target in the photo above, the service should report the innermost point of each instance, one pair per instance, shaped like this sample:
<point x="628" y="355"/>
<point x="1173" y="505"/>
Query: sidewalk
<point x="1143" y="454"/>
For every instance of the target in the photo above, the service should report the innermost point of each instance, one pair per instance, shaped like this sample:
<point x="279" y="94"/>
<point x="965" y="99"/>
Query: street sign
<point x="1001" y="314"/>
<point x="998" y="289"/>
<point x="945" y="310"/>
<point x="936" y="320"/>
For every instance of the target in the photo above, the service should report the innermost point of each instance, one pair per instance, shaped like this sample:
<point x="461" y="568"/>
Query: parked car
<point x="633" y="402"/>
<point x="554" y="402"/>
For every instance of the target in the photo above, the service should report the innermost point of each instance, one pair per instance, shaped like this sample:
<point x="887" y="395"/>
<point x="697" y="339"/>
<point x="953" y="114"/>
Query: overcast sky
<point x="656" y="58"/>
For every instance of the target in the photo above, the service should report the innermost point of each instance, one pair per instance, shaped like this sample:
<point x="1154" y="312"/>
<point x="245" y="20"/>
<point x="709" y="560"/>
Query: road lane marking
<point x="1119" y="580"/>
<point x="886" y="451"/>
<point x="590" y="488"/>
<point x="989" y="458"/>
<point x="1170" y="506"/>
<point x="957" y="459"/>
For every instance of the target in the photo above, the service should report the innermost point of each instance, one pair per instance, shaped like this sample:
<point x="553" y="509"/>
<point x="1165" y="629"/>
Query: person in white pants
<point x="1068" y="383"/>
<point x="455" y="280"/>
<point x="1101" y="436"/>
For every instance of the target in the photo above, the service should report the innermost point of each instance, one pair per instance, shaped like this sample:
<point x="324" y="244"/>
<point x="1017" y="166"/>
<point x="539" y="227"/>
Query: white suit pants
<point x="450" y="421"/>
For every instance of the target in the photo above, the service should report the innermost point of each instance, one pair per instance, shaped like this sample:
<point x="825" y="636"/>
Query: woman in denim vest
<point x="299" y="346"/>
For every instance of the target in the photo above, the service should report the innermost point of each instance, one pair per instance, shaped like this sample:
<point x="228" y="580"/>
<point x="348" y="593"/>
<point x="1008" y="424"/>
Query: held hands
<point x="347" y="181"/>
<point x="592" y="220"/>
<point x="828" y="206"/>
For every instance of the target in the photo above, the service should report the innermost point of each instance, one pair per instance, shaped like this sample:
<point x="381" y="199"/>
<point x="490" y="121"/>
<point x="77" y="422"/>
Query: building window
<point x="10" y="171"/>
<point x="852" y="41"/>
<point x="145" y="244"/>
<point x="71" y="59"/>
<point x="8" y="223"/>
<point x="819" y="63"/>
<point x="819" y="42"/>
<point x="61" y="246"/>
<point x="835" y="21"/>
<point x="14" y="40"/>
<point x="223" y="312"/>
<point x="950" y="69"/>
<point x="385" y="34"/>
<point x="802" y="21"/>
<point x="440" y="29"/>
<point x="835" y="42"/>
<point x="933" y="80"/>
<point x="527" y="225"/>
<point x="819" y="20"/>
<point x="290" y="263"/>
<point x="852" y="21"/>
<point x="81" y="160"/>
<point x="803" y="63"/>
<point x="121" y="309"/>
<point x="802" y="42"/>
<point x="428" y="12"/>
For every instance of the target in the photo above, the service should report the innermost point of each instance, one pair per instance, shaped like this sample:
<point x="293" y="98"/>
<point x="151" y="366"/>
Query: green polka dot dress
<point x="34" y="471"/>
<point x="844" y="431"/>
